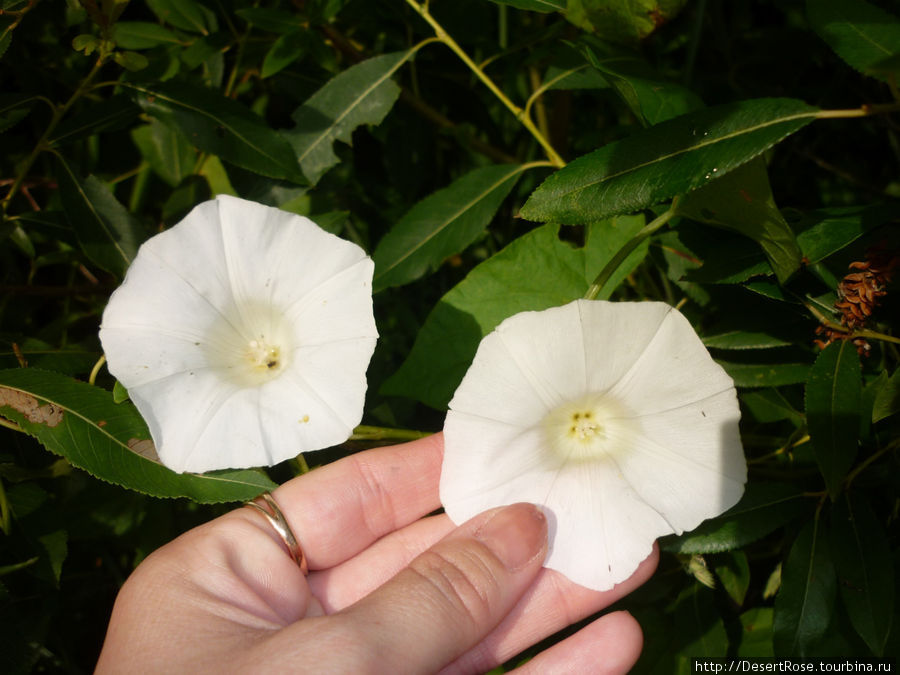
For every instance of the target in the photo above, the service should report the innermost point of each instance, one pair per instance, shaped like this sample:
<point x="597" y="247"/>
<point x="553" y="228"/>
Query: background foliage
<point x="737" y="159"/>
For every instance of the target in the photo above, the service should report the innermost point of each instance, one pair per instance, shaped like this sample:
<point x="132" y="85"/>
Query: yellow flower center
<point x="585" y="429"/>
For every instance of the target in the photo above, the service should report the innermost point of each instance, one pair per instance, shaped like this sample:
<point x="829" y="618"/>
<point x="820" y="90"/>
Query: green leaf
<point x="887" y="400"/>
<point x="858" y="31"/>
<point x="666" y="160"/>
<point x="756" y="636"/>
<point x="109" y="235"/>
<point x="272" y="20"/>
<point x="764" y="374"/>
<point x="535" y="5"/>
<point x="824" y="232"/>
<point x="284" y="51"/>
<point x="743" y="340"/>
<point x="110" y="114"/>
<point x="764" y="508"/>
<point x="770" y="405"/>
<point x="622" y="21"/>
<point x="442" y="225"/>
<point x="651" y="98"/>
<point x="142" y="35"/>
<point x="862" y="559"/>
<point x="805" y="602"/>
<point x="13" y="109"/>
<point x="362" y="94"/>
<point x="734" y="574"/>
<point x="83" y="424"/>
<point x="166" y="151"/>
<point x="223" y="127"/>
<point x="131" y="60"/>
<point x="742" y="201"/>
<point x="55" y="545"/>
<point x="71" y="359"/>
<point x="187" y="15"/>
<point x="5" y="41"/>
<point x="536" y="271"/>
<point x="832" y="411"/>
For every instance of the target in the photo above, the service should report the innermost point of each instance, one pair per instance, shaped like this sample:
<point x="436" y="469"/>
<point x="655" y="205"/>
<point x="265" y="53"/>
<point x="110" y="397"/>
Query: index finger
<point x="338" y="510"/>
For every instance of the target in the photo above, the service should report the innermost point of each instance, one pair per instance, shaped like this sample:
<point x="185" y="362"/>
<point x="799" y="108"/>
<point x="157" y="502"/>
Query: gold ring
<point x="279" y="523"/>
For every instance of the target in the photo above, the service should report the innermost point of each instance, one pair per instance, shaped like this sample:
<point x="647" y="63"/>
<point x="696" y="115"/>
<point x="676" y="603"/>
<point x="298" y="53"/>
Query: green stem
<point x="841" y="328"/>
<point x="367" y="433"/>
<point x="866" y="110"/>
<point x="868" y="461"/>
<point x="519" y="113"/>
<point x="42" y="144"/>
<point x="626" y="250"/>
<point x="92" y="378"/>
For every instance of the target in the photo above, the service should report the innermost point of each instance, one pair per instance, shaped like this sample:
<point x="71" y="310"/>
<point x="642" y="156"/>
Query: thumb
<point x="450" y="597"/>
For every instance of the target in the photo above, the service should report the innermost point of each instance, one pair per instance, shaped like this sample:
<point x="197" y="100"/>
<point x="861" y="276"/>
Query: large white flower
<point x="243" y="335"/>
<point x="613" y="416"/>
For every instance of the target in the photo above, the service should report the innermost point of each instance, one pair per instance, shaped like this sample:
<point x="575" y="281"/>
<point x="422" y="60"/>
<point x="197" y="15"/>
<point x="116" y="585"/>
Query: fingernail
<point x="515" y="534"/>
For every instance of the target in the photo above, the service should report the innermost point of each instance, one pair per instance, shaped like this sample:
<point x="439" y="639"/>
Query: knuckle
<point x="461" y="582"/>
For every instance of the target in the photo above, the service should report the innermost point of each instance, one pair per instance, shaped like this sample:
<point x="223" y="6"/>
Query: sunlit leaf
<point x="666" y="160"/>
<point x="734" y="574"/>
<point x="84" y="425"/>
<point x="862" y="559"/>
<point x="166" y="151"/>
<point x="832" y="411"/>
<point x="442" y="224"/>
<point x="362" y="94"/>
<point x="534" y="272"/>
<point x="805" y="602"/>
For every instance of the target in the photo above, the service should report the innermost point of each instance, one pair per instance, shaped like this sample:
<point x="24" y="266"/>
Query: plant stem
<point x="367" y="433"/>
<point x="4" y="510"/>
<point x="863" y="111"/>
<point x="525" y="120"/>
<point x="862" y="332"/>
<point x="42" y="144"/>
<point x="626" y="250"/>
<point x="92" y="378"/>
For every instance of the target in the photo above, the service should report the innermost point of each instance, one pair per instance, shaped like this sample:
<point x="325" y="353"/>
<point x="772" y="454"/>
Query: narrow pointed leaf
<point x="534" y="272"/>
<point x="862" y="559"/>
<point x="166" y="151"/>
<point x="187" y="15"/>
<point x="109" y="235"/>
<point x="742" y="201"/>
<point x="83" y="424"/>
<point x="666" y="160"/>
<point x="142" y="35"/>
<point x="441" y="225"/>
<point x="535" y="5"/>
<point x="887" y="398"/>
<point x="362" y="94"/>
<point x="859" y="32"/>
<point x="223" y="127"/>
<point x="832" y="411"/>
<point x="805" y="602"/>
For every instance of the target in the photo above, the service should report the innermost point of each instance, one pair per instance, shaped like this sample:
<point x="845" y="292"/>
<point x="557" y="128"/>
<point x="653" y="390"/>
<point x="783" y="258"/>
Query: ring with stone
<point x="269" y="508"/>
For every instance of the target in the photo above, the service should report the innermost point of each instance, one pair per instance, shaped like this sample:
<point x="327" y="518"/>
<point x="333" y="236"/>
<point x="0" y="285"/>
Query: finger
<point x="608" y="646"/>
<point x="445" y="602"/>
<point x="339" y="509"/>
<point x="552" y="604"/>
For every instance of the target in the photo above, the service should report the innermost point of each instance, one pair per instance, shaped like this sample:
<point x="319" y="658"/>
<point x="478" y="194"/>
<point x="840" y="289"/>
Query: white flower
<point x="612" y="416"/>
<point x="243" y="335"/>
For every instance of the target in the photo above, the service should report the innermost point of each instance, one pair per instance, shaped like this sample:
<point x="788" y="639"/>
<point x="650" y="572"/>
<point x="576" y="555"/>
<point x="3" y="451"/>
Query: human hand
<point x="389" y="590"/>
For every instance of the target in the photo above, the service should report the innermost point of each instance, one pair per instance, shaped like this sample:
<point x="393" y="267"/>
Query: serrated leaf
<point x="166" y="151"/>
<point x="109" y="235"/>
<point x="805" y="601"/>
<point x="113" y="113"/>
<point x="742" y="201"/>
<point x="535" y="5"/>
<point x="887" y="400"/>
<point x="832" y="411"/>
<point x="753" y="375"/>
<point x="862" y="559"/>
<point x="223" y="127"/>
<point x="441" y="225"/>
<point x="142" y="35"/>
<point x="187" y="15"/>
<point x="534" y="272"/>
<point x="664" y="161"/>
<point x="763" y="509"/>
<point x="83" y="424"/>
<point x="283" y="52"/>
<point x="362" y="94"/>
<point x="858" y="31"/>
